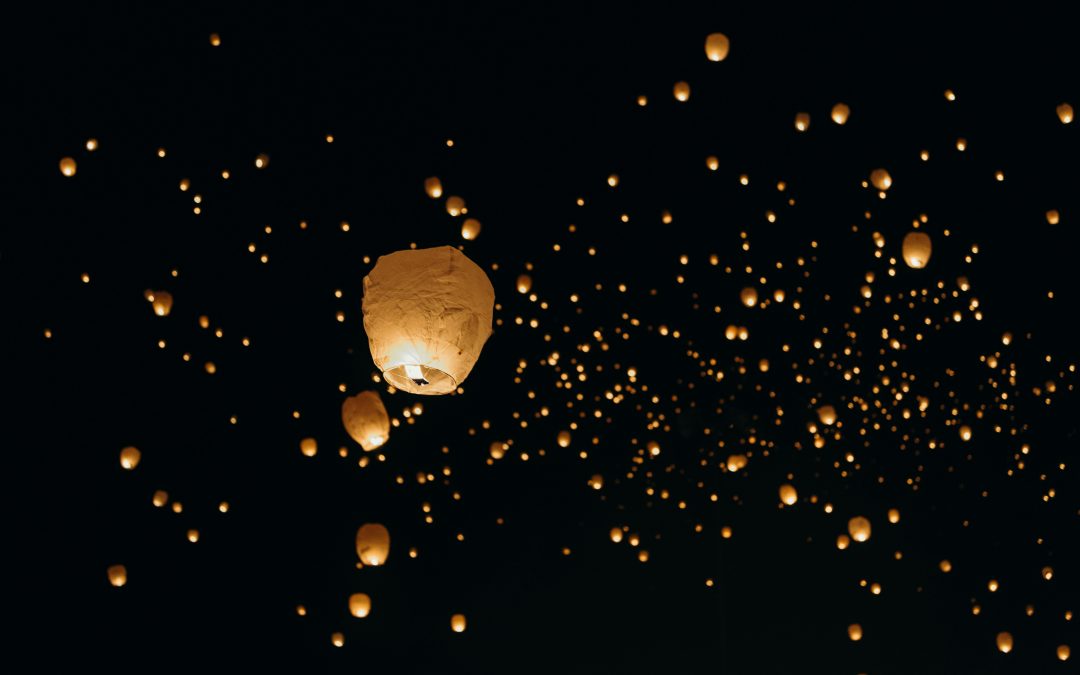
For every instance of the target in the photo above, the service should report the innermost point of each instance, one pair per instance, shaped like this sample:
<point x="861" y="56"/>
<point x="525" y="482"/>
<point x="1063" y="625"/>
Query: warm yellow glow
<point x="827" y="415"/>
<point x="129" y="457"/>
<point x="455" y="205"/>
<point x="894" y="516"/>
<point x="68" y="166"/>
<point x="366" y="420"/>
<point x="1065" y="113"/>
<point x="524" y="283"/>
<point x="965" y="432"/>
<point x="309" y="447"/>
<point x="470" y="229"/>
<point x="802" y="121"/>
<point x="359" y="605"/>
<point x="616" y="534"/>
<point x="916" y="249"/>
<point x="161" y="301"/>
<point x="117" y="575"/>
<point x="1063" y="652"/>
<point x="563" y="439"/>
<point x="840" y="113"/>
<point x="749" y="296"/>
<point x="788" y="494"/>
<point x="1053" y="217"/>
<point x="457" y="623"/>
<point x="373" y="544"/>
<point x="262" y="161"/>
<point x="1004" y="642"/>
<point x="859" y="528"/>
<point x="682" y="92"/>
<point x="880" y="179"/>
<point x="717" y="46"/>
<point x="854" y="631"/>
<point x="433" y="187"/>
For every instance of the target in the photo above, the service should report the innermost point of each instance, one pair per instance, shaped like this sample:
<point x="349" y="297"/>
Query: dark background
<point x="539" y="101"/>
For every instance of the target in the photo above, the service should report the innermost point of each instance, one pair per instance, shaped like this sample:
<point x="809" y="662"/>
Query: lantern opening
<point x="413" y="377"/>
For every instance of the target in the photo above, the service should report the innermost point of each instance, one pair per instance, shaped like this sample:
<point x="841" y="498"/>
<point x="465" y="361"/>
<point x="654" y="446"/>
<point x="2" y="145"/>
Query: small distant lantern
<point x="129" y="457"/>
<point x="717" y="46"/>
<point x="373" y="544"/>
<point x="917" y="248"/>
<point x="366" y="420"/>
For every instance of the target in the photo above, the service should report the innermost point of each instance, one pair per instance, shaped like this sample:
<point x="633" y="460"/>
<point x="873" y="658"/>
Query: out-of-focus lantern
<point x="129" y="457"/>
<point x="842" y="541"/>
<point x="470" y="229"/>
<point x="748" y="296"/>
<point x="682" y="92"/>
<point x="359" y="605"/>
<point x="616" y="534"/>
<point x="372" y="544"/>
<point x="736" y="462"/>
<point x="117" y="575"/>
<point x="1004" y="642"/>
<point x="563" y="439"/>
<point x="1065" y="113"/>
<point x="965" y="432"/>
<point x="802" y="121"/>
<point x="827" y="415"/>
<point x="881" y="179"/>
<point x="427" y="314"/>
<point x="68" y="166"/>
<point x="840" y="113"/>
<point x="262" y="161"/>
<point x="1063" y="652"/>
<point x="854" y="631"/>
<point x="308" y="447"/>
<point x="160" y="498"/>
<point x="366" y="420"/>
<point x="788" y="494"/>
<point x="859" y="528"/>
<point x="497" y="450"/>
<point x="1053" y="217"/>
<point x="337" y="639"/>
<point x="945" y="566"/>
<point x="457" y="623"/>
<point x="717" y="46"/>
<point x="455" y="205"/>
<point x="161" y="301"/>
<point x="524" y="283"/>
<point x="433" y="187"/>
<point x="917" y="248"/>
<point x="596" y="482"/>
<point x="894" y="516"/>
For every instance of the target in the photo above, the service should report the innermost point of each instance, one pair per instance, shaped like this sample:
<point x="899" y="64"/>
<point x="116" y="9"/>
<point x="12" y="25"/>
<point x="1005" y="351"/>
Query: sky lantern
<point x="842" y="541"/>
<point x="67" y="166"/>
<point x="161" y="301"/>
<point x="160" y="498"/>
<point x="736" y="462"/>
<point x="827" y="415"/>
<point x="470" y="229"/>
<point x="616" y="534"/>
<point x="308" y="447"/>
<point x="372" y="544"/>
<point x="129" y="457"/>
<point x="880" y="179"/>
<point x="717" y="46"/>
<point x="748" y="296"/>
<point x="1065" y="113"/>
<point x="433" y="187"/>
<point x="563" y="439"/>
<point x="366" y="420"/>
<point x="859" y="528"/>
<point x="788" y="494"/>
<point x="916" y="248"/>
<point x="1053" y="217"/>
<point x="117" y="575"/>
<point x="524" y="283"/>
<point x="1004" y="642"/>
<point x="262" y="161"/>
<point x="840" y="113"/>
<point x="802" y="121"/>
<point x="854" y="631"/>
<point x="455" y="205"/>
<point x="596" y="482"/>
<point x="894" y="516"/>
<point x="457" y="623"/>
<point x="497" y="449"/>
<point x="427" y="314"/>
<point x="359" y="605"/>
<point x="1063" y="652"/>
<point x="337" y="639"/>
<point x="965" y="432"/>
<point x="682" y="92"/>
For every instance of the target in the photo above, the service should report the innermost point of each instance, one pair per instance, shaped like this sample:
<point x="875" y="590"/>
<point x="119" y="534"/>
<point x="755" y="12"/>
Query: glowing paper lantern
<point x="160" y="498"/>
<point x="965" y="432"/>
<point x="117" y="575"/>
<point x="854" y="631"/>
<point x="748" y="296"/>
<point x="161" y="302"/>
<point x="1063" y="652"/>
<point x="880" y="179"/>
<point x="1065" y="113"/>
<point x="736" y="462"/>
<point x="596" y="482"/>
<point x="682" y="92"/>
<point x="802" y="121"/>
<point x="842" y="541"/>
<point x="859" y="528"/>
<point x="1053" y="217"/>
<point x="497" y="450"/>
<point x="366" y="420"/>
<point x="359" y="605"/>
<point x="470" y="229"/>
<point x="372" y="544"/>
<point x="67" y="166"/>
<point x="455" y="206"/>
<point x="827" y="415"/>
<point x="717" y="46"/>
<point x="788" y="494"/>
<point x="840" y="113"/>
<point x="616" y="534"/>
<point x="129" y="457"/>
<point x="563" y="439"/>
<point x="308" y="447"/>
<point x="262" y="161"/>
<point x="337" y="639"/>
<point x="427" y="314"/>
<point x="916" y="248"/>
<point x="433" y="187"/>
<point x="1004" y="642"/>
<point x="894" y="516"/>
<point x="524" y="283"/>
<point x="457" y="623"/>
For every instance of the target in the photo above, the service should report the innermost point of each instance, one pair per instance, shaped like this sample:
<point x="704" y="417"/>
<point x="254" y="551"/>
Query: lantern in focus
<point x="161" y="302"/>
<point x="366" y="420"/>
<point x="117" y="575"/>
<point x="682" y="92"/>
<point x="880" y="179"/>
<point x="359" y="605"/>
<point x="717" y="46"/>
<point x="916" y="248"/>
<point x="1004" y="642"/>
<point x="1065" y="113"/>
<point x="372" y="544"/>
<point x="827" y="415"/>
<point x="433" y="187"/>
<point x="840" y="113"/>
<point x="457" y="623"/>
<point x="470" y="229"/>
<point x="859" y="528"/>
<point x="129" y="457"/>
<point x="67" y="166"/>
<point x="524" y="283"/>
<point x="427" y="314"/>
<point x="788" y="494"/>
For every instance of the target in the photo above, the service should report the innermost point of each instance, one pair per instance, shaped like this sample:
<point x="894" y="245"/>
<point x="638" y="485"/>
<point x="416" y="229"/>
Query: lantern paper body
<point x="827" y="415"/>
<point x="616" y="534"/>
<point x="373" y="544"/>
<point x="433" y="187"/>
<point x="359" y="605"/>
<point x="881" y="179"/>
<point x="457" y="623"/>
<point x="717" y="46"/>
<point x="524" y="283"/>
<point x="1065" y="113"/>
<point x="427" y="314"/>
<point x="68" y="167"/>
<point x="859" y="528"/>
<point x="129" y="457"/>
<point x="1004" y="642"/>
<point x="788" y="494"/>
<point x="366" y="420"/>
<point x="917" y="249"/>
<point x="840" y="113"/>
<point x="117" y="575"/>
<point x="162" y="302"/>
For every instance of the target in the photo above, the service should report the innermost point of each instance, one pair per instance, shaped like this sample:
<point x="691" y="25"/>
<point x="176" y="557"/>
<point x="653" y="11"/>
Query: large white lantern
<point x="427" y="314"/>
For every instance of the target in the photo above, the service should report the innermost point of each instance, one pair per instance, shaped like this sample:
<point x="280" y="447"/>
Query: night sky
<point x="255" y="163"/>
